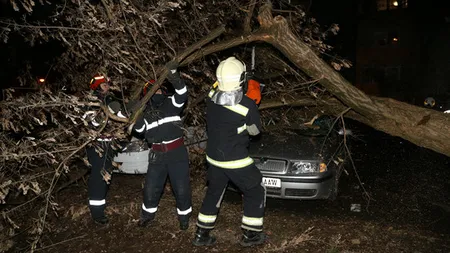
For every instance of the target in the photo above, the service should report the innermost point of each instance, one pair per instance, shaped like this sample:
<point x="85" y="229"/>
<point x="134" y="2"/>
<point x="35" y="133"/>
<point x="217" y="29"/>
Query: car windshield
<point x="312" y="131"/>
<point x="320" y="128"/>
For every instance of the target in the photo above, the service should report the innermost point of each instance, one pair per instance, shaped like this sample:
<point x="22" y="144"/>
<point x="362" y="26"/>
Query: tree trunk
<point x="423" y="127"/>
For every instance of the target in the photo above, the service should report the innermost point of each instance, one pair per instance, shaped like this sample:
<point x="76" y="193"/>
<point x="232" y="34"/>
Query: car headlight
<point x="304" y="167"/>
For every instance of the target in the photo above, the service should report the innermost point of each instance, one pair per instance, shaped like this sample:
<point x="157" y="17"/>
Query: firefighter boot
<point x="202" y="237"/>
<point x="250" y="238"/>
<point x="98" y="215"/>
<point x="146" y="219"/>
<point x="184" y="225"/>
<point x="184" y="221"/>
<point x="101" y="220"/>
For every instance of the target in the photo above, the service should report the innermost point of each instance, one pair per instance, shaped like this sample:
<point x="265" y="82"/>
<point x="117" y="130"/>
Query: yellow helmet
<point x="230" y="74"/>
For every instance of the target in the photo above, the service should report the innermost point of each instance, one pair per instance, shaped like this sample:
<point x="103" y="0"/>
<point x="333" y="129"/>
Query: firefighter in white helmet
<point x="231" y="118"/>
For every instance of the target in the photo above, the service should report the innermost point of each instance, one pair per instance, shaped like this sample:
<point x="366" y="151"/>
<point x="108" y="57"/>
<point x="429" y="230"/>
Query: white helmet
<point x="429" y="102"/>
<point x="230" y="74"/>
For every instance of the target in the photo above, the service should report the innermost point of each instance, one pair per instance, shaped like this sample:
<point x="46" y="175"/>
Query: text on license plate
<point x="272" y="182"/>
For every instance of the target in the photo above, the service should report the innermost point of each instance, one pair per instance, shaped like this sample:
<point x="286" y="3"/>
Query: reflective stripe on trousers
<point x="97" y="202"/>
<point x="206" y="221"/>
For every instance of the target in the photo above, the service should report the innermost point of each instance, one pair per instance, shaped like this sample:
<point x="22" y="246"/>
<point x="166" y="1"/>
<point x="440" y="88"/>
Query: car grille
<point x="270" y="165"/>
<point x="273" y="191"/>
<point x="300" y="192"/>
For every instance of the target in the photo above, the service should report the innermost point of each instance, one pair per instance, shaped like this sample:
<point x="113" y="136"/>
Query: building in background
<point x="399" y="44"/>
<point x="387" y="48"/>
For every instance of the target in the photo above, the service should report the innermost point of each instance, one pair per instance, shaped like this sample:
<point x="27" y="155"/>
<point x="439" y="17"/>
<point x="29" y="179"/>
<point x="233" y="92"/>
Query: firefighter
<point x="100" y="155"/>
<point x="162" y="126"/>
<point x="231" y="118"/>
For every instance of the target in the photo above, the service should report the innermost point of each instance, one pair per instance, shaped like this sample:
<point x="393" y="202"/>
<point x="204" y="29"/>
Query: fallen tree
<point x="421" y="126"/>
<point x="133" y="41"/>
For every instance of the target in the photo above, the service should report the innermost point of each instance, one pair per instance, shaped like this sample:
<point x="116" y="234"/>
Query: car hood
<point x="293" y="146"/>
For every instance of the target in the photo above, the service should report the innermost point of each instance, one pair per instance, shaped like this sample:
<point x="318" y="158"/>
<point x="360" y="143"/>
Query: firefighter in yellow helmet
<point x="231" y="118"/>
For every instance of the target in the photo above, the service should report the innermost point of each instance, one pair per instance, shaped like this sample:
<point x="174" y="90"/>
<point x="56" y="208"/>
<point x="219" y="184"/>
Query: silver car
<point x="303" y="163"/>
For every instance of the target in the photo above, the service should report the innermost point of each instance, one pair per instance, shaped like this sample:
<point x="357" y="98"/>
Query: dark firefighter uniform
<point x="100" y="155"/>
<point x="162" y="125"/>
<point x="228" y="160"/>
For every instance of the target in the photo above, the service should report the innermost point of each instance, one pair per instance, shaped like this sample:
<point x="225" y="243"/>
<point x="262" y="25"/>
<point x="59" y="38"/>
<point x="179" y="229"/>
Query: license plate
<point x="272" y="182"/>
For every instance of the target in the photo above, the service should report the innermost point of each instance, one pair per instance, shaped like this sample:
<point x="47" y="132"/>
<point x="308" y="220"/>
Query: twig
<point x="36" y="154"/>
<point x="108" y="11"/>
<point x="366" y="193"/>
<point x="248" y="19"/>
<point x="25" y="203"/>
<point x="164" y="41"/>
<point x="52" y="186"/>
<point x="134" y="40"/>
<point x="181" y="57"/>
<point x="53" y="104"/>
<point x="332" y="126"/>
<point x="55" y="27"/>
<point x="72" y="181"/>
<point x="62" y="242"/>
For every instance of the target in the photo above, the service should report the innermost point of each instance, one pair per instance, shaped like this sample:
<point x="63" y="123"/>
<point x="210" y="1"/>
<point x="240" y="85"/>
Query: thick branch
<point x="163" y="71"/>
<point x="274" y="103"/>
<point x="223" y="45"/>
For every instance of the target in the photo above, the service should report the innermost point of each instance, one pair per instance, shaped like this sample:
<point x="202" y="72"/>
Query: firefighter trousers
<point x="249" y="182"/>
<point x="97" y="186"/>
<point x="155" y="181"/>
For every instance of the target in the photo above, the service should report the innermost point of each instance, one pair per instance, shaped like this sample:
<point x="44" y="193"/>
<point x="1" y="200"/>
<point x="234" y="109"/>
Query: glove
<point x="173" y="73"/>
<point x="172" y="66"/>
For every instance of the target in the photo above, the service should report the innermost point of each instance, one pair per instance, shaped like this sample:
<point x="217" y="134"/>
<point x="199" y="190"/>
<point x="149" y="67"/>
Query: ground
<point x="408" y="211"/>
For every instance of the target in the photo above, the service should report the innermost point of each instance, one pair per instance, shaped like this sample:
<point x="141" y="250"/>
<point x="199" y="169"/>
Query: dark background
<point x="416" y="66"/>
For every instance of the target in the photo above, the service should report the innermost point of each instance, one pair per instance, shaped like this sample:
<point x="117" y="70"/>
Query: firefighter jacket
<point x="228" y="129"/>
<point x="161" y="122"/>
<point x="96" y="119"/>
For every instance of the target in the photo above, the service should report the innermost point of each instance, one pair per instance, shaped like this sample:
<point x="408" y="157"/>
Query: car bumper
<point x="132" y="162"/>
<point x="301" y="187"/>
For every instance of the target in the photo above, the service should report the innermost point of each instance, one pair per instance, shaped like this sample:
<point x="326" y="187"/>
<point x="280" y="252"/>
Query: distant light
<point x="395" y="39"/>
<point x="395" y="3"/>
<point x="41" y="80"/>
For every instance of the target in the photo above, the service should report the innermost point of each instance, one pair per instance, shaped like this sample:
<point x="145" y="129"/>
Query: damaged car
<point x="301" y="163"/>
